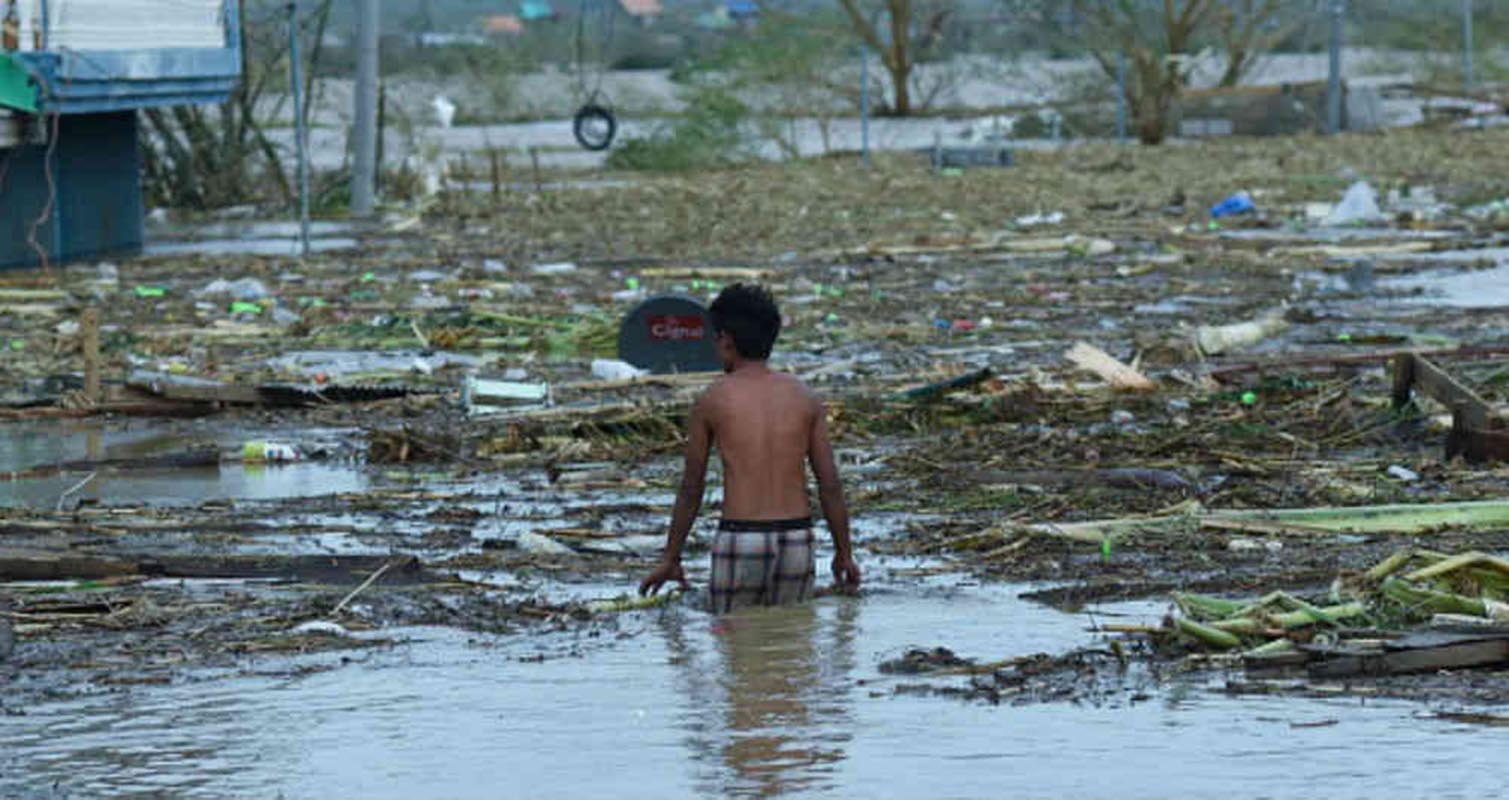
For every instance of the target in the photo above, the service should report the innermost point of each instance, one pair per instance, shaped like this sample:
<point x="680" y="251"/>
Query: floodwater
<point x="676" y="703"/>
<point x="262" y="238"/>
<point x="35" y="444"/>
<point x="681" y="704"/>
<point x="1481" y="288"/>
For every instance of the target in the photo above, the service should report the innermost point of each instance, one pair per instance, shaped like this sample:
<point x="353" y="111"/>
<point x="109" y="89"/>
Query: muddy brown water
<point x="676" y="703"/>
<point x="778" y="702"/>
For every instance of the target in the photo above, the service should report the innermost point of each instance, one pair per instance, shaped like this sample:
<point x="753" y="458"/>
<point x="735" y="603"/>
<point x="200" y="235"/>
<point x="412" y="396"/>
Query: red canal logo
<point x="673" y="328"/>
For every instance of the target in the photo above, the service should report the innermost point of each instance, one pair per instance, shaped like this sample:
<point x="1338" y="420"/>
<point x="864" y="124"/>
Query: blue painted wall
<point x="96" y="192"/>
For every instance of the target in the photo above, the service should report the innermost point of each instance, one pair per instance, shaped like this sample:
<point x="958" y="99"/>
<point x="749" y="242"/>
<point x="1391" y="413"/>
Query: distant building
<point x="502" y="25"/>
<point x="645" y="12"/>
<point x="742" y="10"/>
<point x="71" y="183"/>
<point x="537" y="11"/>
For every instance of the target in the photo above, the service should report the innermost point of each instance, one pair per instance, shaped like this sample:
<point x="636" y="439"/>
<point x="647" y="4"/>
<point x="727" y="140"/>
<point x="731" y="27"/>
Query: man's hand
<point x="667" y="571"/>
<point x="845" y="572"/>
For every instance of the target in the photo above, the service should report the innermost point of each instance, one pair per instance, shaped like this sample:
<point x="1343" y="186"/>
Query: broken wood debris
<point x="1477" y="431"/>
<point x="1093" y="359"/>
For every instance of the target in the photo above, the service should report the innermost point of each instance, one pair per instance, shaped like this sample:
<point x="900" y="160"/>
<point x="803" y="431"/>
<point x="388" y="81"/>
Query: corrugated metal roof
<point x="92" y="67"/>
<point x="642" y="8"/>
<point x="532" y="10"/>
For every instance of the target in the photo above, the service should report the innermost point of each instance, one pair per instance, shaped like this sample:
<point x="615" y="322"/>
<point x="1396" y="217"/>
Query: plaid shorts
<point x="762" y="564"/>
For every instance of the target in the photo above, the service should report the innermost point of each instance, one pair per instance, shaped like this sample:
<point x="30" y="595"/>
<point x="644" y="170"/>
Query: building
<point x="644" y="12"/>
<point x="537" y="11"/>
<point x="70" y="169"/>
<point x="502" y="25"/>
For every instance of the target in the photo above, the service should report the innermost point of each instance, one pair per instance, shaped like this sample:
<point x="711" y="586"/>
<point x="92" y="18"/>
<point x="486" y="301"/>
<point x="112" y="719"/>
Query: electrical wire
<point x="52" y="195"/>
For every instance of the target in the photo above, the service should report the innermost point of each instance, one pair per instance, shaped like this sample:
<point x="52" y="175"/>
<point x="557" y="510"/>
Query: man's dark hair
<point x="747" y="312"/>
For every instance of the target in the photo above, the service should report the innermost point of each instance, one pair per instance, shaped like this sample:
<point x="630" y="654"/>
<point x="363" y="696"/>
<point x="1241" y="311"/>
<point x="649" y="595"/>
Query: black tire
<point x="594" y="127"/>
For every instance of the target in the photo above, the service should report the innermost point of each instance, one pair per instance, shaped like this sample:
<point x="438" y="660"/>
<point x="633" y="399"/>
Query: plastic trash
<point x="1358" y="205"/>
<point x="242" y="289"/>
<point x="612" y="369"/>
<point x="1034" y="220"/>
<point x="445" y="110"/>
<point x="1249" y="398"/>
<point x="1239" y="203"/>
<point x="151" y="291"/>
<point x="324" y="626"/>
<point x="245" y="307"/>
<point x="557" y="268"/>
<point x="1404" y="474"/>
<point x="531" y="542"/>
<point x="494" y="266"/>
<point x="483" y="396"/>
<point x="269" y="452"/>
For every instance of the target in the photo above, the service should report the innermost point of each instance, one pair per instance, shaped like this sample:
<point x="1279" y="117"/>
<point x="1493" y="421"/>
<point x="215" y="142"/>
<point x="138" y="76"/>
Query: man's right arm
<point x="699" y="440"/>
<point x="830" y="494"/>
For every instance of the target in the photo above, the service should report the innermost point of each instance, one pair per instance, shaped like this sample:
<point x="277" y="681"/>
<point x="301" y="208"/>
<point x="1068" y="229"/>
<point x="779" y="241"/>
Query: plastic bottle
<point x="1239" y="203"/>
<point x="269" y="452"/>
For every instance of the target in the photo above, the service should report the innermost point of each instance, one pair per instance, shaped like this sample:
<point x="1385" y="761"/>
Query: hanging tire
<point x="594" y="127"/>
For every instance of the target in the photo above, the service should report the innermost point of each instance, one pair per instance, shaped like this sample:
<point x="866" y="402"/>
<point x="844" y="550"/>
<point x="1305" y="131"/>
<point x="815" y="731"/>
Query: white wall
<point x="132" y="24"/>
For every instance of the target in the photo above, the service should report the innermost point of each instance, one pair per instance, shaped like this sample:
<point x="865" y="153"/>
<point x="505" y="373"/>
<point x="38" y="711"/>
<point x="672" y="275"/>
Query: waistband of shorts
<point x="765" y="525"/>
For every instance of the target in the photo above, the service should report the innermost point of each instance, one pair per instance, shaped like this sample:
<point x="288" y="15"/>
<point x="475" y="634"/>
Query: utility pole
<point x="1467" y="76"/>
<point x="300" y="130"/>
<point x="1121" y="97"/>
<point x="1333" y="87"/>
<point x="364" y="124"/>
<point x="864" y="105"/>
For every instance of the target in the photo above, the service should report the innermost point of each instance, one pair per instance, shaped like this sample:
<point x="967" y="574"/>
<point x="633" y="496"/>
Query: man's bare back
<point x="762" y="424"/>
<point x="768" y="427"/>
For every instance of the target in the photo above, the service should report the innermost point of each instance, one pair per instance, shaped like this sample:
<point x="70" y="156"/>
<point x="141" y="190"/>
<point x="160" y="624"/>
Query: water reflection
<point x="769" y="712"/>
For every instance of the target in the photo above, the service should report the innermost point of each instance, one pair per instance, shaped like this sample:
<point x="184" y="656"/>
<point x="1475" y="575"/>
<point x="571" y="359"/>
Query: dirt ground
<point x="891" y="279"/>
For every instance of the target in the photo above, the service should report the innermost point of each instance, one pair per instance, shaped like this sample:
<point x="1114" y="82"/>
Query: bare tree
<point x="1248" y="29"/>
<point x="914" y="28"/>
<point x="1159" y="45"/>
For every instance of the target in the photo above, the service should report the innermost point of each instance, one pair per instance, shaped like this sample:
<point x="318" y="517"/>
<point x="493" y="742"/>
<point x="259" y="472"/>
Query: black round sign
<point x="669" y="333"/>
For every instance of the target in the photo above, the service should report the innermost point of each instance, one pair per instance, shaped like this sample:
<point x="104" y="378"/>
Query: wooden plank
<point x="1404" y="378"/>
<point x="1452" y="656"/>
<point x="1477" y="446"/>
<point x="193" y="390"/>
<point x="44" y="565"/>
<point x="1439" y="385"/>
<point x="89" y="329"/>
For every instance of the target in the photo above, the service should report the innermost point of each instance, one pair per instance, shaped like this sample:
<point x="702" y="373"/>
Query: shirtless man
<point x="766" y="425"/>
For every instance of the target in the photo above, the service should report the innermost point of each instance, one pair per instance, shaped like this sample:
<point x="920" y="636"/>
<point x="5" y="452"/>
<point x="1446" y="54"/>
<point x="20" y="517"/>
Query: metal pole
<point x="864" y="105"/>
<point x="364" y="123"/>
<point x="1121" y="97"/>
<point x="300" y="131"/>
<point x="1467" y="76"/>
<point x="1333" y="87"/>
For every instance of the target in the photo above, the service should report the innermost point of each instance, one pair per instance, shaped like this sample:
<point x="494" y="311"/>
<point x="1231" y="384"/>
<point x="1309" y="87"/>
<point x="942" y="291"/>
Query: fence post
<point x="1121" y="96"/>
<point x="1467" y="67"/>
<point x="1333" y="86"/>
<point x="864" y="106"/>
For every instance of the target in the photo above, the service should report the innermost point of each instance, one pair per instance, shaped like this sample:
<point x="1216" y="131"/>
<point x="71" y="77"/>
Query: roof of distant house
<point x="642" y="8"/>
<point x="532" y="10"/>
<point x="503" y="23"/>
